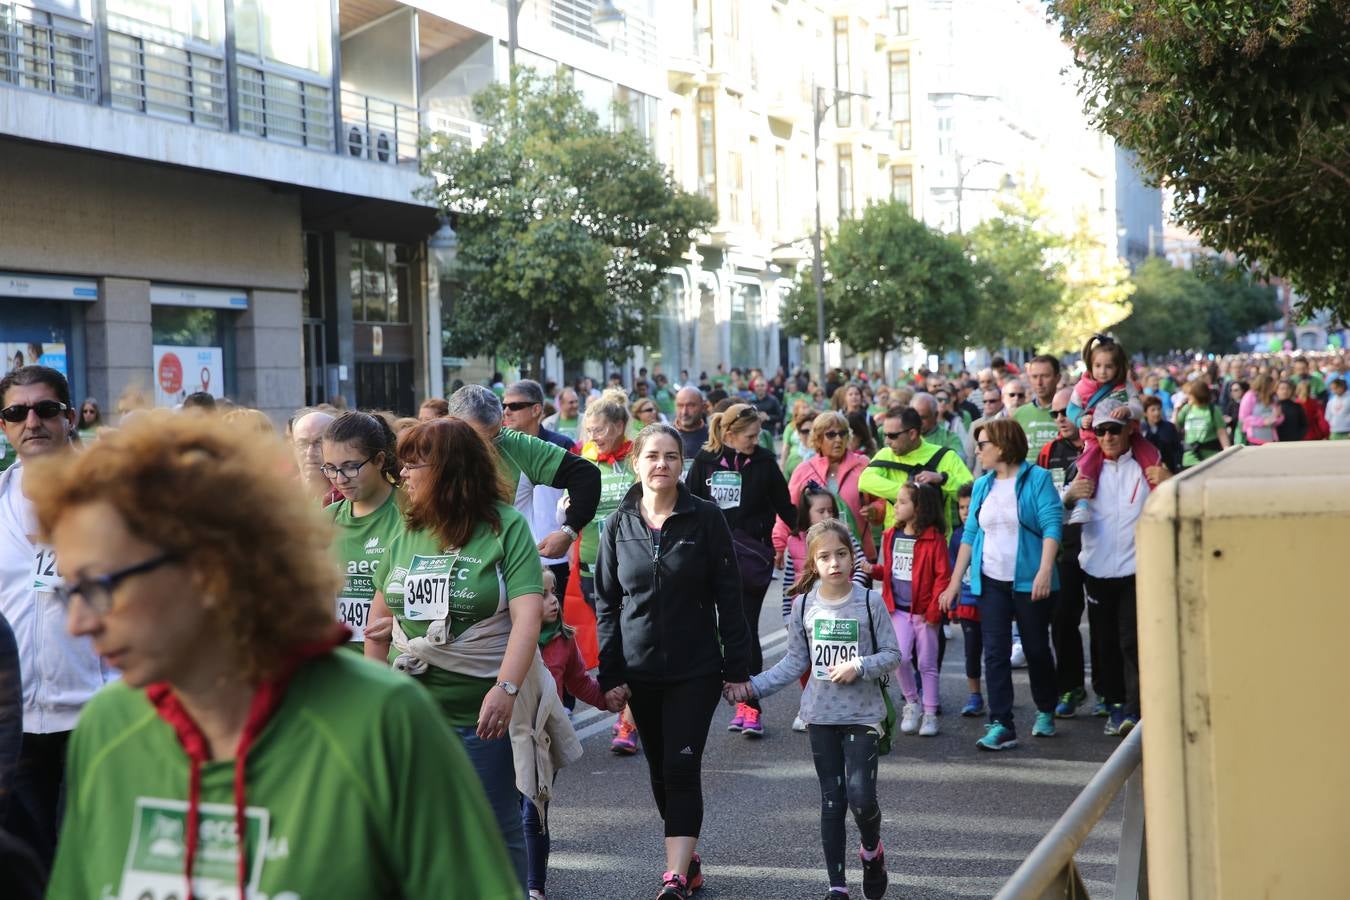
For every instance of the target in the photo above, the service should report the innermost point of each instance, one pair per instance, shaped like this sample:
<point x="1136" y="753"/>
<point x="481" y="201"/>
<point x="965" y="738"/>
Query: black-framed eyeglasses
<point x="980" y="445"/>
<point x="96" y="590"/>
<point x="1108" y="428"/>
<point x="347" y="469"/>
<point x="831" y="435"/>
<point x="46" y="409"/>
<point x="518" y="405"/>
<point x="1056" y="413"/>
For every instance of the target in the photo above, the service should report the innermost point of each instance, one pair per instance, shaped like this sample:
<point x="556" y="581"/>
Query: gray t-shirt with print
<point x="835" y="633"/>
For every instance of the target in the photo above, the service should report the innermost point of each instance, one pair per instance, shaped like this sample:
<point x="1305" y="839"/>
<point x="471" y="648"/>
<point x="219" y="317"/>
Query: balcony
<point x="46" y="52"/>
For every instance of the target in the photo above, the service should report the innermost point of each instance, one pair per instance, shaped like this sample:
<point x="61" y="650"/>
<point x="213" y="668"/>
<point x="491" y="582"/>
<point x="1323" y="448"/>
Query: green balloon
<point x="1276" y="344"/>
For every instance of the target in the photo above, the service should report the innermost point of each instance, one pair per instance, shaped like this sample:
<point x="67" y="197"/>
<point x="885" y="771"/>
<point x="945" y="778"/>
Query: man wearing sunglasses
<point x="908" y="456"/>
<point x="59" y="673"/>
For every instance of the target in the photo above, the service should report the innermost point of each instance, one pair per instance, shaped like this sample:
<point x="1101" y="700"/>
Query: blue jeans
<point x="496" y="768"/>
<point x="537" y="843"/>
<point x="999" y="606"/>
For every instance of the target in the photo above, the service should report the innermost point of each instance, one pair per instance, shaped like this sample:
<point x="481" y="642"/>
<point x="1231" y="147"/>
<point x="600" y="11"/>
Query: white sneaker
<point x="948" y="632"/>
<point x="1082" y="513"/>
<point x="798" y="724"/>
<point x="909" y="718"/>
<point x="929" y="728"/>
<point x="1019" y="659"/>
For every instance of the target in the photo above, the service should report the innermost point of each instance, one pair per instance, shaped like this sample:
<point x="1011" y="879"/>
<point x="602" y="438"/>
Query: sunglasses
<point x="896" y="435"/>
<point x="1056" y="413"/>
<point x="518" y="405"/>
<point x="831" y="435"/>
<point x="942" y="398"/>
<point x="46" y="409"/>
<point x="1108" y="428"/>
<point x="1022" y="396"/>
<point x="993" y="399"/>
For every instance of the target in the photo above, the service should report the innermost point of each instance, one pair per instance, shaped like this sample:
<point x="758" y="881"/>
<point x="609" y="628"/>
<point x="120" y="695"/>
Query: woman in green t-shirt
<point x="460" y="597"/>
<point x="195" y="566"/>
<point x="359" y="462"/>
<point x="1201" y="425"/>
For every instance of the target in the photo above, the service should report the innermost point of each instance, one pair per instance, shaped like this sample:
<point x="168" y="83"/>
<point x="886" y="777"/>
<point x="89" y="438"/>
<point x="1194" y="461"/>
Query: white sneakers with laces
<point x="909" y="718"/>
<point x="929" y="728"/>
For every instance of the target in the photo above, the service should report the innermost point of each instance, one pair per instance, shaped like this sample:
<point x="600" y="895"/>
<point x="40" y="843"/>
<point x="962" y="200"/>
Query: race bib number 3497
<point x="834" y="642"/>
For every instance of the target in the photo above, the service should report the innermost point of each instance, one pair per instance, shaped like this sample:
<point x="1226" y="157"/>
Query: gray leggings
<point x="846" y="764"/>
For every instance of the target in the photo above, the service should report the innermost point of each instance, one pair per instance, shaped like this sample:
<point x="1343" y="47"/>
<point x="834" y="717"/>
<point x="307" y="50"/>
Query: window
<point x="750" y="183"/>
<point x="899" y="94"/>
<point x="707" y="145"/>
<point x="902" y="185"/>
<point x="200" y="19"/>
<point x="845" y="181"/>
<point x="900" y="14"/>
<point x="380" y="281"/>
<point x="944" y="134"/>
<point x="843" y="110"/>
<point x="297" y="33"/>
<point x="780" y="180"/>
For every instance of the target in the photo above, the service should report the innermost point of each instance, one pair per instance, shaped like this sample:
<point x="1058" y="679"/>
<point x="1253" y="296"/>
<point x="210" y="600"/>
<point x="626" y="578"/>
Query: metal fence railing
<point x="46" y="52"/>
<point x="284" y="107"/>
<point x="1050" y="872"/>
<point x="379" y="130"/>
<point x="166" y="79"/>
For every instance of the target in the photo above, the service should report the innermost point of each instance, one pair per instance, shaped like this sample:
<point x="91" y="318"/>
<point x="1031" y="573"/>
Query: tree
<point x="1021" y="273"/>
<point x="1241" y="107"/>
<point x="1095" y="295"/>
<point x="1241" y="304"/>
<point x="889" y="278"/>
<point x="565" y="226"/>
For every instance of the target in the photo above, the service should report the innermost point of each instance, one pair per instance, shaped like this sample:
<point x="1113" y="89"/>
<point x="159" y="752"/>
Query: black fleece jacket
<point x="674" y="614"/>
<point x="764" y="490"/>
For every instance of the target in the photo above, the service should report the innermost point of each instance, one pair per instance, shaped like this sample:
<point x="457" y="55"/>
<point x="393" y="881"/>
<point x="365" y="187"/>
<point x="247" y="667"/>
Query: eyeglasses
<point x="348" y="470"/>
<point x="993" y="399"/>
<point x="980" y="445"/>
<point x="831" y="435"/>
<point x="1056" y="413"/>
<point x="518" y="405"/>
<point x="896" y="435"/>
<point x="46" y="409"/>
<point x="1106" y="428"/>
<point x="942" y="398"/>
<point x="96" y="590"/>
<point x="413" y="466"/>
<point x="1021" y="396"/>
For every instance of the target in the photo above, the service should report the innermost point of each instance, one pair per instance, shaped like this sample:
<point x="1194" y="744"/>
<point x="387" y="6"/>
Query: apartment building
<point x="222" y="194"/>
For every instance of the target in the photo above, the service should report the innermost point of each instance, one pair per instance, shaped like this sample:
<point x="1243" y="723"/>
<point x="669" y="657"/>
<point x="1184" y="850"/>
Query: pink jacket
<point x="815" y="469"/>
<point x="563" y="658"/>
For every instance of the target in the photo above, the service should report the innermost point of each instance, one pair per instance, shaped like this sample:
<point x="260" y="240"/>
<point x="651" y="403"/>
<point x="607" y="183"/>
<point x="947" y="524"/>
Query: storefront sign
<point x="45" y="287"/>
<point x="180" y="371"/>
<point x="198" y="297"/>
<point x="50" y="353"/>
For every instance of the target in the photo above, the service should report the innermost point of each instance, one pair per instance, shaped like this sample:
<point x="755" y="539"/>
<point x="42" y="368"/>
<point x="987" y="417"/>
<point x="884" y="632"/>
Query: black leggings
<point x="752" y="600"/>
<point x="673" y="720"/>
<point x="974" y="641"/>
<point x="846" y="764"/>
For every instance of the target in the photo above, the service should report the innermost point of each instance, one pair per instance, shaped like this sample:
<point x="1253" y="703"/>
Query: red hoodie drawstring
<point x="266" y="699"/>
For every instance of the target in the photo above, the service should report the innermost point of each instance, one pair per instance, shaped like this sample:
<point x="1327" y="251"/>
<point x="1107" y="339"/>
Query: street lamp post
<point x="819" y="110"/>
<point x="961" y="183"/>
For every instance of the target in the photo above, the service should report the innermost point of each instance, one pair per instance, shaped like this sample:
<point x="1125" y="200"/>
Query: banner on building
<point x="180" y="371"/>
<point x="32" y="353"/>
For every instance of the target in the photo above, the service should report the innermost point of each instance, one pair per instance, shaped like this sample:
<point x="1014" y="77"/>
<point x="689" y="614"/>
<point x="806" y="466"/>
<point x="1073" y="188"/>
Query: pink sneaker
<point x="750" y="726"/>
<point x="625" y="742"/>
<point x="738" y="721"/>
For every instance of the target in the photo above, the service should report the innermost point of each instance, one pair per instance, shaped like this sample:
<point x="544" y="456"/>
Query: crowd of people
<point x="218" y="634"/>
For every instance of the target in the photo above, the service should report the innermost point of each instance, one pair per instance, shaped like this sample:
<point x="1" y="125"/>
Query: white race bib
<point x="426" y="589"/>
<point x="155" y="859"/>
<point x="1057" y="475"/>
<point x="726" y="489"/>
<point x="902" y="558"/>
<point x="46" y="579"/>
<point x="834" y="642"/>
<point x="355" y="614"/>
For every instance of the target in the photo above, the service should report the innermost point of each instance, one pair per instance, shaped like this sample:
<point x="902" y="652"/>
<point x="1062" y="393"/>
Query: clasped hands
<point x="617" y="698"/>
<point x="737" y="691"/>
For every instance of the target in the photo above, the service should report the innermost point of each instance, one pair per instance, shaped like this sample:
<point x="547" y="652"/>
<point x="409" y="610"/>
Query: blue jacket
<point x="1039" y="512"/>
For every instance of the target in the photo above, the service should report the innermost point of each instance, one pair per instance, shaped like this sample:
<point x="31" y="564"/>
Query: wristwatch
<point x="511" y="689"/>
<point x="569" y="531"/>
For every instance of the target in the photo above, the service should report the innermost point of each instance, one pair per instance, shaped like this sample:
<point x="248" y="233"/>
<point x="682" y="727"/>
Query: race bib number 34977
<point x="426" y="589"/>
<point x="834" y="642"/>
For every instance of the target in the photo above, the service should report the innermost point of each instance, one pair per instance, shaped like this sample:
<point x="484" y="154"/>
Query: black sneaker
<point x="874" y="875"/>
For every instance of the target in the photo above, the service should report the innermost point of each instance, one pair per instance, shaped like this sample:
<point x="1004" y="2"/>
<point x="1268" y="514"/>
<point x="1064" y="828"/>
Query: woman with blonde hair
<point x="1259" y="411"/>
<point x="737" y="473"/>
<point x="232" y="706"/>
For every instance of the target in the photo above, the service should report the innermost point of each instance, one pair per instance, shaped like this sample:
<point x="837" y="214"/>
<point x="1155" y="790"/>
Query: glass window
<point x="843" y="111"/>
<point x="597" y="94"/>
<point x="845" y="181"/>
<point x="737" y="184"/>
<point x="900" y="12"/>
<point x="201" y="19"/>
<point x="382" y="281"/>
<point x="296" y="33"/>
<point x="374" y="281"/>
<point x="746" y="325"/>
<point x="182" y="326"/>
<point x="899" y="66"/>
<point x="707" y="145"/>
<point x="780" y="186"/>
<point x="902" y="185"/>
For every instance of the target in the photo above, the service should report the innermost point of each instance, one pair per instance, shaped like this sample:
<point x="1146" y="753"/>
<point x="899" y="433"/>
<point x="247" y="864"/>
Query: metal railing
<point x="380" y="130"/>
<point x="162" y="77"/>
<point x="1050" y="872"/>
<point x="465" y="131"/>
<point x="46" y="52"/>
<point x="285" y="107"/>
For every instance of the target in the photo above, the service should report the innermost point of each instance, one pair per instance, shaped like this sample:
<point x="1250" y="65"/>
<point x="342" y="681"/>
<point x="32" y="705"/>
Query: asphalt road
<point x="957" y="821"/>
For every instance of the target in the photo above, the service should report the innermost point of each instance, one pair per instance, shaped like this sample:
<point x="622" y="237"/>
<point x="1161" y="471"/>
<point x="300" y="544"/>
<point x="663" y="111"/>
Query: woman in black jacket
<point x="671" y="630"/>
<point x="744" y="480"/>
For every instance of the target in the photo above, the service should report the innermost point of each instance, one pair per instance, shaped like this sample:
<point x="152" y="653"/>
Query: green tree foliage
<point x="565" y="226"/>
<point x="1020" y="269"/>
<point x="1242" y="106"/>
<point x="1206" y="308"/>
<point x="889" y="278"/>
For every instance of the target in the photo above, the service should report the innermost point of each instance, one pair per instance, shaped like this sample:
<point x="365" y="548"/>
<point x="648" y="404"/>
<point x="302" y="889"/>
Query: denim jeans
<point x="496" y="768"/>
<point x="537" y="843"/>
<point x="999" y="606"/>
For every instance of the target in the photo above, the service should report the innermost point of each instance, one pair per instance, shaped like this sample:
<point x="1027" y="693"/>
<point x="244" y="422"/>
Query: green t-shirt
<point x="525" y="461"/>
<point x="491" y="570"/>
<point x="567" y="427"/>
<point x="336" y="799"/>
<point x="665" y="401"/>
<point x="1039" y="426"/>
<point x="1198" y="425"/>
<point x="615" y="480"/>
<point x="361" y="546"/>
<point x="7" y="454"/>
